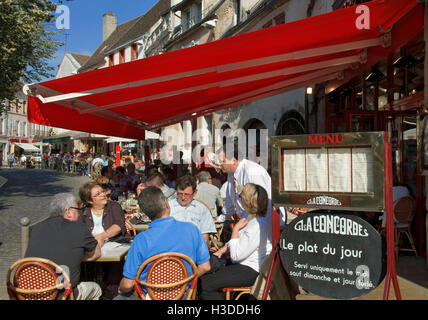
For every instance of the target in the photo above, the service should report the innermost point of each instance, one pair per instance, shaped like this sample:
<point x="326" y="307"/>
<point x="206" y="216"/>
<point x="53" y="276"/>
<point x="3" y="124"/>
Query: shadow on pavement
<point x="33" y="183"/>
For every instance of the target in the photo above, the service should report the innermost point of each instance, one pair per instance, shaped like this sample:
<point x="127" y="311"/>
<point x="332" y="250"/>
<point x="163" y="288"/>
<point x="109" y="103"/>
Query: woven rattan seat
<point x="167" y="277"/>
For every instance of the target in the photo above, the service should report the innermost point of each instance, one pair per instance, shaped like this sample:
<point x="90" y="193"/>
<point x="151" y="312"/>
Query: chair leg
<point x="412" y="243"/>
<point x="242" y="293"/>
<point x="228" y="295"/>
<point x="397" y="243"/>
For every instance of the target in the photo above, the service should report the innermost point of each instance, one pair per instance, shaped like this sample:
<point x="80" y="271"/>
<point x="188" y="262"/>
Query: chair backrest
<point x="214" y="240"/>
<point x="167" y="277"/>
<point x="37" y="279"/>
<point x="200" y="201"/>
<point x="404" y="209"/>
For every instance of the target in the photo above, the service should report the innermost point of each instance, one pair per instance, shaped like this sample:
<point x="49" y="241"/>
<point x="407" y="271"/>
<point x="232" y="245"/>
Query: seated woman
<point x="105" y="220"/>
<point x="250" y="243"/>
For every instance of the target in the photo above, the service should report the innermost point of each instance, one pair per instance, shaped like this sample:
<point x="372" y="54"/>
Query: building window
<point x="267" y="24"/>
<point x="111" y="60"/>
<point x="279" y="19"/>
<point x="15" y="128"/>
<point x="22" y="129"/>
<point x="195" y="13"/>
<point x="185" y="19"/>
<point x="122" y="56"/>
<point x="134" y="52"/>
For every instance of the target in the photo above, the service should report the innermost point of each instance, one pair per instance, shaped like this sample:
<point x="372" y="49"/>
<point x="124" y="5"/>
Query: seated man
<point x="185" y="208"/>
<point x="165" y="234"/>
<point x="66" y="242"/>
<point x="208" y="193"/>
<point x="156" y="179"/>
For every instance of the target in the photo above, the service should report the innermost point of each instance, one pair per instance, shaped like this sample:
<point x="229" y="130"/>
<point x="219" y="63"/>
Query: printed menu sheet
<point x="294" y="170"/>
<point x="328" y="170"/>
<point x="362" y="170"/>
<point x="317" y="177"/>
<point x="339" y="170"/>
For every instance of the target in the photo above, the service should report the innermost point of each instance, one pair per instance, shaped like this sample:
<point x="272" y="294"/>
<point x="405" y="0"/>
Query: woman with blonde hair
<point x="250" y="243"/>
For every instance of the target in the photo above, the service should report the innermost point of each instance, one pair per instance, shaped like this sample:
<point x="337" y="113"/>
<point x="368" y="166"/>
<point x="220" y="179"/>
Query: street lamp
<point x="308" y="92"/>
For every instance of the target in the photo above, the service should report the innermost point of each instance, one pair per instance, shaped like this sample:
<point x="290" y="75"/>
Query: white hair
<point x="60" y="203"/>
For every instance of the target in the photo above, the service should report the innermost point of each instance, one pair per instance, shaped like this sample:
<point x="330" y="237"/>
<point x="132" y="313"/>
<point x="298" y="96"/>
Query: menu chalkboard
<point x="338" y="256"/>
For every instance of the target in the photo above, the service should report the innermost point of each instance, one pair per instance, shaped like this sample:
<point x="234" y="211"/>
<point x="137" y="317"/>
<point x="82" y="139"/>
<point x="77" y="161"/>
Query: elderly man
<point x="185" y="208"/>
<point x="66" y="242"/>
<point x="165" y="234"/>
<point x="208" y="193"/>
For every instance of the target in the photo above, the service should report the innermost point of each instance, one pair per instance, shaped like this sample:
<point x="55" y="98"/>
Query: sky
<point x="86" y="23"/>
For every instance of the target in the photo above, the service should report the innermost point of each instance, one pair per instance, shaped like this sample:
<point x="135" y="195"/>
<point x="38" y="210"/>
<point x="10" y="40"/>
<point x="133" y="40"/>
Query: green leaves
<point x="27" y="42"/>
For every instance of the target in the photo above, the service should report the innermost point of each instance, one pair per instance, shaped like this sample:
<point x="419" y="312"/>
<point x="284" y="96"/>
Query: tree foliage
<point x="27" y="41"/>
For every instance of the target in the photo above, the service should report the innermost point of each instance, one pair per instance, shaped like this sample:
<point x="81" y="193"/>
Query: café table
<point x="141" y="226"/>
<point x="113" y="252"/>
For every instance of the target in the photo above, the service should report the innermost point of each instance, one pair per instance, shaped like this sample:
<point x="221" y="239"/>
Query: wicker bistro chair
<point x="404" y="212"/>
<point x="130" y="229"/>
<point x="36" y="279"/>
<point x="167" y="277"/>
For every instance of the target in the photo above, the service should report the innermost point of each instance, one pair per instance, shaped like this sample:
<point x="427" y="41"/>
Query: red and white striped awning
<point x="127" y="99"/>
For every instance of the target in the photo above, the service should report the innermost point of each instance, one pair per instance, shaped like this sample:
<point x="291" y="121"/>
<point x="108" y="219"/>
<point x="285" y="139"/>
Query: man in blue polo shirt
<point x="165" y="234"/>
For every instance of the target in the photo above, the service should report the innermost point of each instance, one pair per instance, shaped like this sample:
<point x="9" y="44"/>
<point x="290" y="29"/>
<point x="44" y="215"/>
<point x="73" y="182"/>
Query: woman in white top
<point x="250" y="243"/>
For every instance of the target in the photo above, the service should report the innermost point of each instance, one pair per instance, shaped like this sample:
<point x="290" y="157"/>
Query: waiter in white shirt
<point x="240" y="172"/>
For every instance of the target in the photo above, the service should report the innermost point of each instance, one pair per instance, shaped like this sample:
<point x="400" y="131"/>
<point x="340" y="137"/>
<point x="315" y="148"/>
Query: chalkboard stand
<point x="391" y="274"/>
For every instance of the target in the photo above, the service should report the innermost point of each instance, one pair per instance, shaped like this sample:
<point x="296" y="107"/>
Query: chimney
<point x="109" y="24"/>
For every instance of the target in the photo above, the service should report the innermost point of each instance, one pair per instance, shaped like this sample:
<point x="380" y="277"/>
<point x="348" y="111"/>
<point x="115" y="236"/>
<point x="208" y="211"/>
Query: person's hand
<point x="221" y="251"/>
<point x="218" y="254"/>
<point x="100" y="239"/>
<point x="242" y="223"/>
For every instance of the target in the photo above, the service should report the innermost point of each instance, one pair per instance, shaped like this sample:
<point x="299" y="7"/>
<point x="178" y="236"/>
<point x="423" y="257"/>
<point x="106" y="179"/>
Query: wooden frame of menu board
<point x="325" y="171"/>
<point x="374" y="159"/>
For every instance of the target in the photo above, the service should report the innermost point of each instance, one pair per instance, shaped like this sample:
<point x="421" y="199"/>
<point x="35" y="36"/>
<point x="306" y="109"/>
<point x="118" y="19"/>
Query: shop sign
<point x="339" y="256"/>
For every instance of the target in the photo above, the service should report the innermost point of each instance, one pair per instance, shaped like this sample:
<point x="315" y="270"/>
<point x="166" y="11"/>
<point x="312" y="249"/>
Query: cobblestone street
<point x="26" y="194"/>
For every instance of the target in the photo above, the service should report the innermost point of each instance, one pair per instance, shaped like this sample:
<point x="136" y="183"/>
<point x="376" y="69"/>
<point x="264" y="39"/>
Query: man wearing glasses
<point x="186" y="209"/>
<point x="67" y="242"/>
